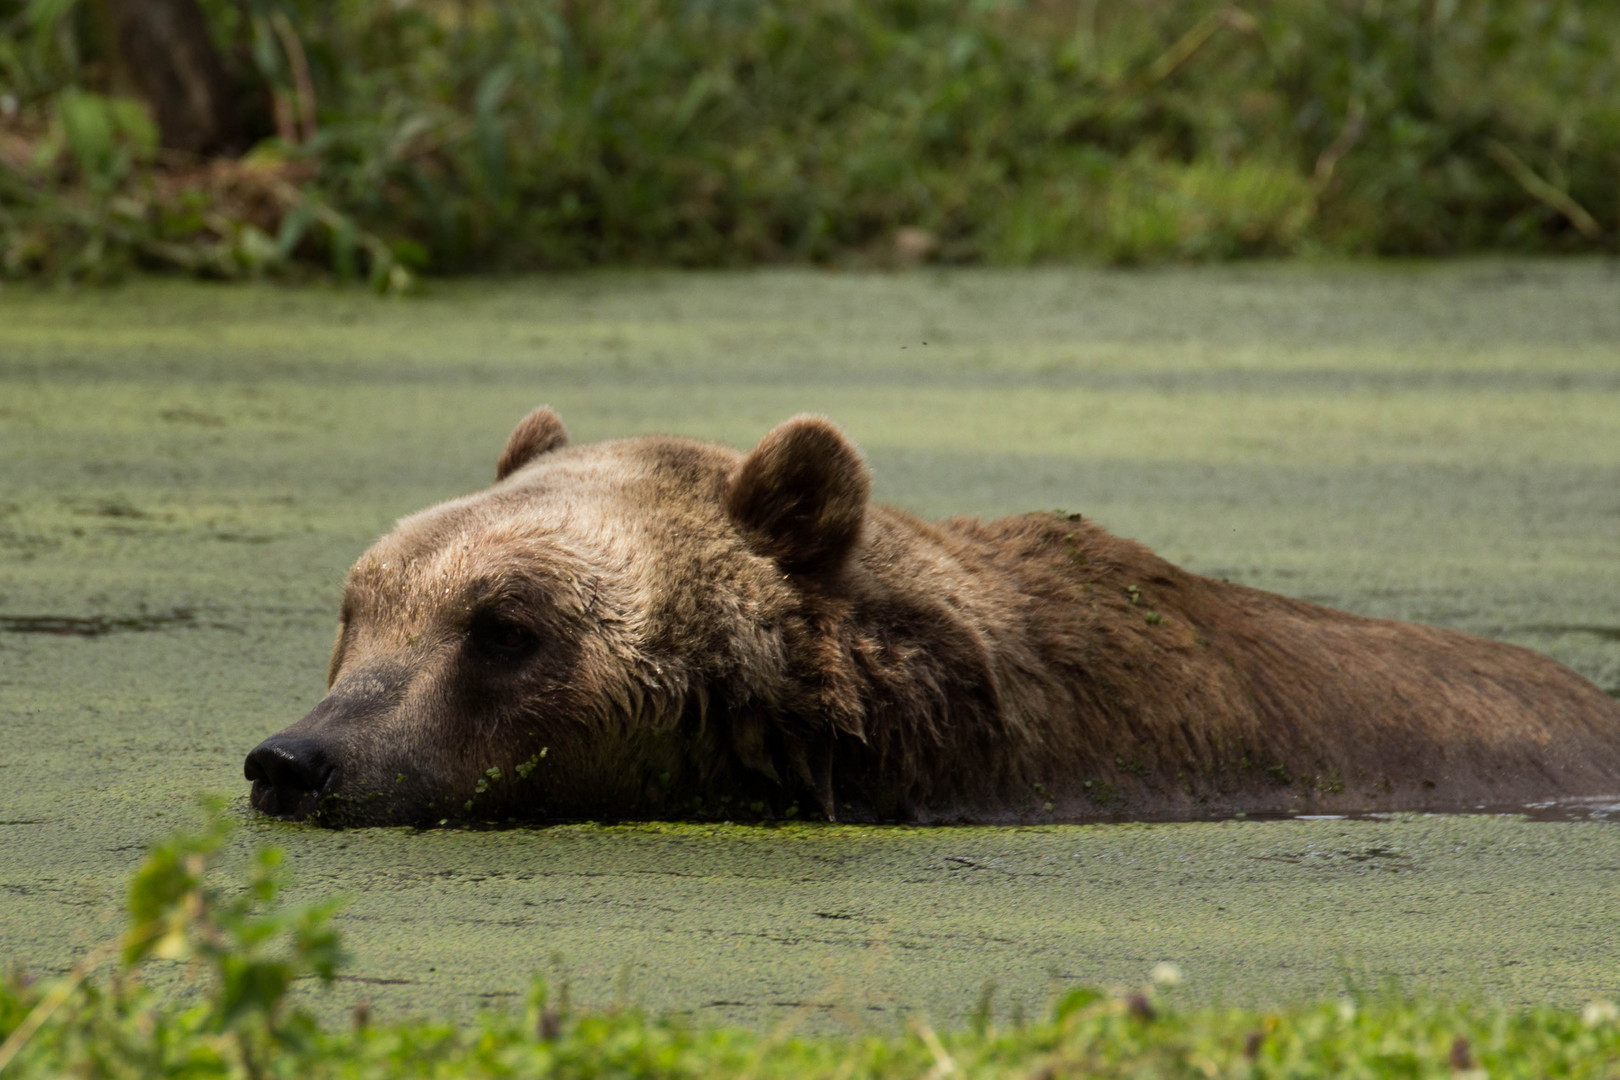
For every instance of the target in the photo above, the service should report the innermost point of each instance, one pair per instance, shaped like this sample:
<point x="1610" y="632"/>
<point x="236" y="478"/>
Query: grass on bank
<point x="242" y="952"/>
<point x="469" y="135"/>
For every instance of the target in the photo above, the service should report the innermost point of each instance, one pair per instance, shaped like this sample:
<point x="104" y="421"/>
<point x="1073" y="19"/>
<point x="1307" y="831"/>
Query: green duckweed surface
<point x="188" y="471"/>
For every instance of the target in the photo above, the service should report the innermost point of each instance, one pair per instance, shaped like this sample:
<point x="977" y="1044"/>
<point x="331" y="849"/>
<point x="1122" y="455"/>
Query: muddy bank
<point x="191" y="469"/>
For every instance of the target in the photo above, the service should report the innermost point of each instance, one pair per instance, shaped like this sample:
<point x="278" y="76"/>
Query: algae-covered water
<point x="186" y="471"/>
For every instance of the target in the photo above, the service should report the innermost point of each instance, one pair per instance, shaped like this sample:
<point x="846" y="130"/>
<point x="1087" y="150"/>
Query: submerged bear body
<point x="659" y="627"/>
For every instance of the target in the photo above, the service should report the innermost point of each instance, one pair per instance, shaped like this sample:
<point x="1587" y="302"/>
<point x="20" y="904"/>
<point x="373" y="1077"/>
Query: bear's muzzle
<point x="290" y="776"/>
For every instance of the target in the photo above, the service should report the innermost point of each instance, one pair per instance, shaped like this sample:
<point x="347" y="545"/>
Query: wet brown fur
<point x="724" y="634"/>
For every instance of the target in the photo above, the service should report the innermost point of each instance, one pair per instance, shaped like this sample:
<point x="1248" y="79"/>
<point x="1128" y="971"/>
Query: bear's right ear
<point x="800" y="495"/>
<point x="538" y="433"/>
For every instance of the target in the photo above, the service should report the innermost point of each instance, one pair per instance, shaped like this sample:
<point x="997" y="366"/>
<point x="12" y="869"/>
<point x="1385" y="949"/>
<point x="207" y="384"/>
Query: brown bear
<point x="658" y="627"/>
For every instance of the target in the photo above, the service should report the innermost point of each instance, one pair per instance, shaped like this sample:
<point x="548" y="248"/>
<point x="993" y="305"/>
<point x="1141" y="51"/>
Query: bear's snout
<point x="290" y="776"/>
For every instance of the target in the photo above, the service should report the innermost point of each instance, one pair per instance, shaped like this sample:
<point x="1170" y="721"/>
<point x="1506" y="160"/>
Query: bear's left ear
<point x="800" y="495"/>
<point x="538" y="433"/>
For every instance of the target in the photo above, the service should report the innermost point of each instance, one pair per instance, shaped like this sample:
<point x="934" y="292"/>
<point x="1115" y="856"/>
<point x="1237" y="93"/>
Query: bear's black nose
<point x="289" y="776"/>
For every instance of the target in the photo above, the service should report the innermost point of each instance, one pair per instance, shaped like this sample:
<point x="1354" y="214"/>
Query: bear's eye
<point x="500" y="638"/>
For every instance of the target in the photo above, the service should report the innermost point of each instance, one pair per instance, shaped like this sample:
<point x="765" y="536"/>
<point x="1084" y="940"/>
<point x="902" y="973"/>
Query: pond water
<point x="189" y="470"/>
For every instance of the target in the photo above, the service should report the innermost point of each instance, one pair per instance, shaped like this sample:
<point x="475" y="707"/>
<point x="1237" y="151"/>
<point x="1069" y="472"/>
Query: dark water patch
<point x="824" y="1006"/>
<point x="1607" y="633"/>
<point x="26" y="546"/>
<point x="91" y="626"/>
<point x="1371" y="858"/>
<point x="819" y="1006"/>
<point x="191" y="416"/>
<point x="117" y="508"/>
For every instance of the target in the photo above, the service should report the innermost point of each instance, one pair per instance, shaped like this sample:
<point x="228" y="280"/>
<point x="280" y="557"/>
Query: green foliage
<point x="247" y="952"/>
<point x="246" y="948"/>
<point x="176" y="915"/>
<point x="519" y="134"/>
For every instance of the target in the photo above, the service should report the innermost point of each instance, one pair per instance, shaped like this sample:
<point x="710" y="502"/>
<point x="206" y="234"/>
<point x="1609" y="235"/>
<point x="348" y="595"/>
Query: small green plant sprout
<point x="524" y="768"/>
<point x="1134" y="593"/>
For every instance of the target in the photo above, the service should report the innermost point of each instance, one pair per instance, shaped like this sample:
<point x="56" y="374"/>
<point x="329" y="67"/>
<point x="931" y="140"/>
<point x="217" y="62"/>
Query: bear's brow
<point x="513" y="584"/>
<point x="500" y="588"/>
<point x="561" y="592"/>
<point x="366" y="589"/>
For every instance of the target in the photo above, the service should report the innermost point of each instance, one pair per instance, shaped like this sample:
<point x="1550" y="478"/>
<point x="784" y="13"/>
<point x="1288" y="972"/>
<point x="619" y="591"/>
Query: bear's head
<point x="617" y="630"/>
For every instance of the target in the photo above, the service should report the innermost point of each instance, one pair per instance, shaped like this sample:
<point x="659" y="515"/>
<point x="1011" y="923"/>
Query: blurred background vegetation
<point x="384" y="138"/>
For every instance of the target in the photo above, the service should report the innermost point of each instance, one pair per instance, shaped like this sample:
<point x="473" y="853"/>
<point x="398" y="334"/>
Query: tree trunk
<point x="167" y="54"/>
